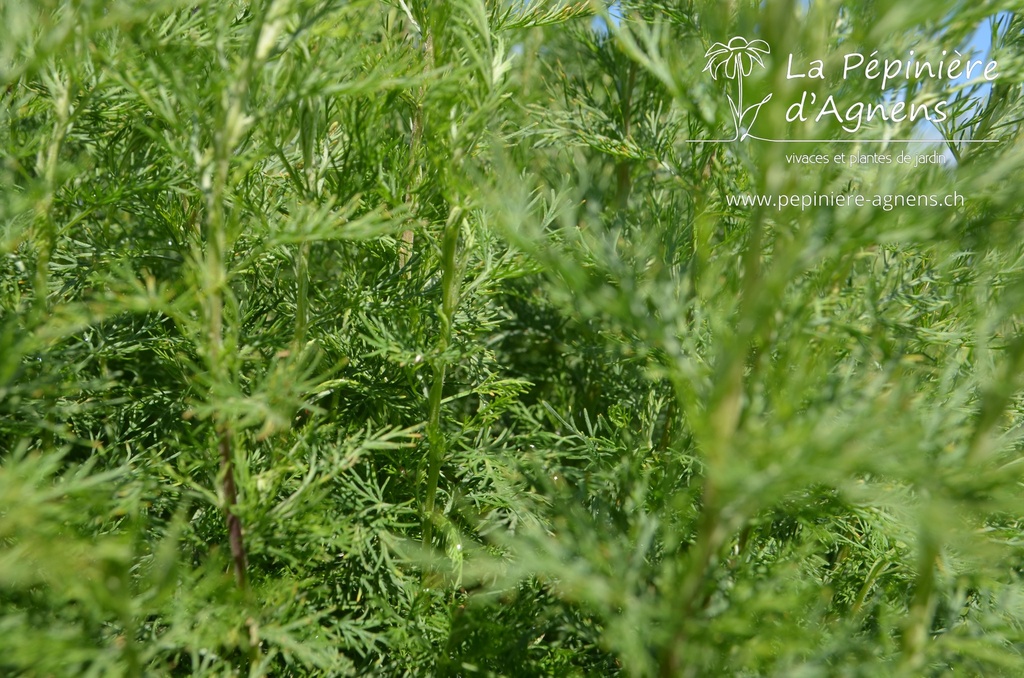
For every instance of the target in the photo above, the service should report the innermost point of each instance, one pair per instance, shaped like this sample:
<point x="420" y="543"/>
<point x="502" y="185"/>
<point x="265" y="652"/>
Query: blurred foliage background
<point x="421" y="338"/>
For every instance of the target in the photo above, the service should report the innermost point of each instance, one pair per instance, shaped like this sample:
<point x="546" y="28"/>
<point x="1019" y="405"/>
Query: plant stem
<point x="309" y="119"/>
<point x="710" y="535"/>
<point x="234" y="523"/>
<point x="724" y="415"/>
<point x="301" y="295"/>
<point x="622" y="168"/>
<point x="919" y="618"/>
<point x="450" y="283"/>
<point x="233" y="128"/>
<point x="407" y="237"/>
<point x="46" y="230"/>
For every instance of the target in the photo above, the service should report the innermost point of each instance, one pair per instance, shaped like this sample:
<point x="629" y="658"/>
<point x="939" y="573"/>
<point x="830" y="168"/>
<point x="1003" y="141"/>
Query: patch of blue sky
<point x="614" y="13"/>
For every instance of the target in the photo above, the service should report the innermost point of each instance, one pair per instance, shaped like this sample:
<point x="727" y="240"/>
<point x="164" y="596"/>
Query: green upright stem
<point x="46" y="231"/>
<point x="450" y="283"/>
<point x="922" y="610"/>
<point x="416" y="138"/>
<point x="309" y="136"/>
<point x="725" y="414"/>
<point x="622" y="169"/>
<point x="302" y="295"/>
<point x="233" y="128"/>
<point x="711" y="534"/>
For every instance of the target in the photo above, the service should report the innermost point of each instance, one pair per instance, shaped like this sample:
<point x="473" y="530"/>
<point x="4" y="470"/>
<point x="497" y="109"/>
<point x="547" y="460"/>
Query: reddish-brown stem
<point x="234" y="523"/>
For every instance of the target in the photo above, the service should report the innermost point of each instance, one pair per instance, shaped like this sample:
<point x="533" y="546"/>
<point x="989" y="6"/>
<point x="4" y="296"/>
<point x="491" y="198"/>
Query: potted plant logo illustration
<point x="736" y="60"/>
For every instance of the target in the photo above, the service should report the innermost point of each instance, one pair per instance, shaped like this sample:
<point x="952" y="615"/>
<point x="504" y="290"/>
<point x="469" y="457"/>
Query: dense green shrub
<point x="420" y="338"/>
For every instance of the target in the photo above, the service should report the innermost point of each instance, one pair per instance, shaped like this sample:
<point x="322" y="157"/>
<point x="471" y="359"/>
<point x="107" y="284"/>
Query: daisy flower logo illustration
<point x="735" y="60"/>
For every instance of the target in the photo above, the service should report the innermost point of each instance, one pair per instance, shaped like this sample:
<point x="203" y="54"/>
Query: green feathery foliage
<point x="421" y="338"/>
